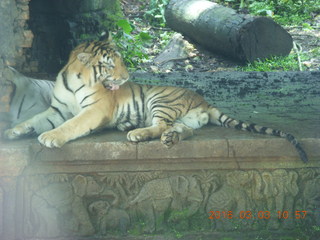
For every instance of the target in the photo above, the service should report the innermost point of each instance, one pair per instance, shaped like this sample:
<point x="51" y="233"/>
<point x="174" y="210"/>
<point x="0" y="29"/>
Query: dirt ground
<point x="199" y="59"/>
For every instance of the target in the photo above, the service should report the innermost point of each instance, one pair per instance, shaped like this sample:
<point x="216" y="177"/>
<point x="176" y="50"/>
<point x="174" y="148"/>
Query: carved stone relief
<point x="233" y="196"/>
<point x="98" y="204"/>
<point x="1" y="210"/>
<point x="57" y="208"/>
<point x="173" y="194"/>
<point x="107" y="217"/>
<point x="310" y="192"/>
<point x="280" y="191"/>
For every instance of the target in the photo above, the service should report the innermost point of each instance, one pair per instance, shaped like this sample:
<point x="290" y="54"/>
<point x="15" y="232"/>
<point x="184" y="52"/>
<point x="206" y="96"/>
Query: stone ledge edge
<point x="187" y="155"/>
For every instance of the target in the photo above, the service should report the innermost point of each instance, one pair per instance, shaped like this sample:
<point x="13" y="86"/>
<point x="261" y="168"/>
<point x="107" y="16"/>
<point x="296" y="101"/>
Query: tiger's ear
<point x="106" y="36"/>
<point x="84" y="57"/>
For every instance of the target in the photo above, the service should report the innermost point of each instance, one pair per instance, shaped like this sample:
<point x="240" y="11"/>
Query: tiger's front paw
<point x="170" y="138"/>
<point x="138" y="135"/>
<point x="52" y="139"/>
<point x="18" y="131"/>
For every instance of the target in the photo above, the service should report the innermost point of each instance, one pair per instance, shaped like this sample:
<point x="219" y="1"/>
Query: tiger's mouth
<point x="113" y="84"/>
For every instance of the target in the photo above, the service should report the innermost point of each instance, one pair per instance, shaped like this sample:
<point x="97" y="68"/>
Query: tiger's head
<point x="102" y="62"/>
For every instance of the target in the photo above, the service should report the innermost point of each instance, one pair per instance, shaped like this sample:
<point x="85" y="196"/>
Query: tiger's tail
<point x="221" y="119"/>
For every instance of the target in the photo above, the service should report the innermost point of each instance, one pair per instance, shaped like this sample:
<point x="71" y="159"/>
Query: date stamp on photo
<point x="216" y="215"/>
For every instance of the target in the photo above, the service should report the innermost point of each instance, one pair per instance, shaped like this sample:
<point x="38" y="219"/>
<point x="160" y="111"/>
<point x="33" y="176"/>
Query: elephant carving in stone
<point x="233" y="197"/>
<point x="87" y="186"/>
<point x="280" y="190"/>
<point x="1" y="209"/>
<point x="173" y="194"/>
<point x="311" y="196"/>
<point x="108" y="217"/>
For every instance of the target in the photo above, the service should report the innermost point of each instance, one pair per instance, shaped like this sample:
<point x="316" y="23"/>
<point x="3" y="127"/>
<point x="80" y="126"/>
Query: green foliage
<point x="131" y="45"/>
<point x="85" y="36"/>
<point x="315" y="52"/>
<point x="112" y="13"/>
<point x="183" y="214"/>
<point x="316" y="228"/>
<point x="261" y="9"/>
<point x="289" y="63"/>
<point x="178" y="234"/>
<point x="125" y="26"/>
<point x="136" y="229"/>
<point x="155" y="13"/>
<point x="285" y="12"/>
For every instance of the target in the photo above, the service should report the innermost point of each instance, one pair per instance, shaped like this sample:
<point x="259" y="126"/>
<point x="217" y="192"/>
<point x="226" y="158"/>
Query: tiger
<point x="79" y="95"/>
<point x="23" y="103"/>
<point x="92" y="92"/>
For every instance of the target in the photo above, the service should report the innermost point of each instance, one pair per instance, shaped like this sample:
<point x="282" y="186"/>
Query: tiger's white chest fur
<point x="72" y="95"/>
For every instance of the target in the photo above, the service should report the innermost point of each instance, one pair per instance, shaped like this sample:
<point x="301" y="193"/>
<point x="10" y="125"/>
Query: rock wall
<point x="13" y="37"/>
<point x="122" y="195"/>
<point x="38" y="35"/>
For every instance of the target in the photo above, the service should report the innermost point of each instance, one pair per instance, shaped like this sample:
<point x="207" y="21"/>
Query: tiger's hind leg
<point x="176" y="133"/>
<point x="49" y="119"/>
<point x="194" y="119"/>
<point x="162" y="119"/>
<point x="164" y="125"/>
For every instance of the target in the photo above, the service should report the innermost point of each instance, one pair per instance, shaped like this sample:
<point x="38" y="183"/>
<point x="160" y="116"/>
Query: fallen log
<point x="223" y="30"/>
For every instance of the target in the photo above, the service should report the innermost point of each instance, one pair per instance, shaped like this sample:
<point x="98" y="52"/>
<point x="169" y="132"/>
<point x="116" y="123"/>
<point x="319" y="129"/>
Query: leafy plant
<point x="261" y="9"/>
<point x="155" y="13"/>
<point x="131" y="45"/>
<point x="124" y="25"/>
<point x="288" y="12"/>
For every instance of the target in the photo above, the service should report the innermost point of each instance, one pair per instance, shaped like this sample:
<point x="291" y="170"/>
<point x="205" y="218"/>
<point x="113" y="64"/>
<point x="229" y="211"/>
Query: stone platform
<point x="104" y="176"/>
<point x="220" y="183"/>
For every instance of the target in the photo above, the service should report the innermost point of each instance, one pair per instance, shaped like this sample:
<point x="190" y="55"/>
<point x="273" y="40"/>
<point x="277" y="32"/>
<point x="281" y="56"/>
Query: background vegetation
<point x="135" y="36"/>
<point x="285" y="12"/>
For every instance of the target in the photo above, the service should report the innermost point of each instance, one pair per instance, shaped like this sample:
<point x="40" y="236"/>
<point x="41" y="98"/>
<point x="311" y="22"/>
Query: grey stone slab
<point x="210" y="142"/>
<point x="90" y="151"/>
<point x="261" y="148"/>
<point x="13" y="159"/>
<point x="203" y="148"/>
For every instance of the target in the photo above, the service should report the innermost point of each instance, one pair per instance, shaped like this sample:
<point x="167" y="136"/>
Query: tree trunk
<point x="223" y="30"/>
